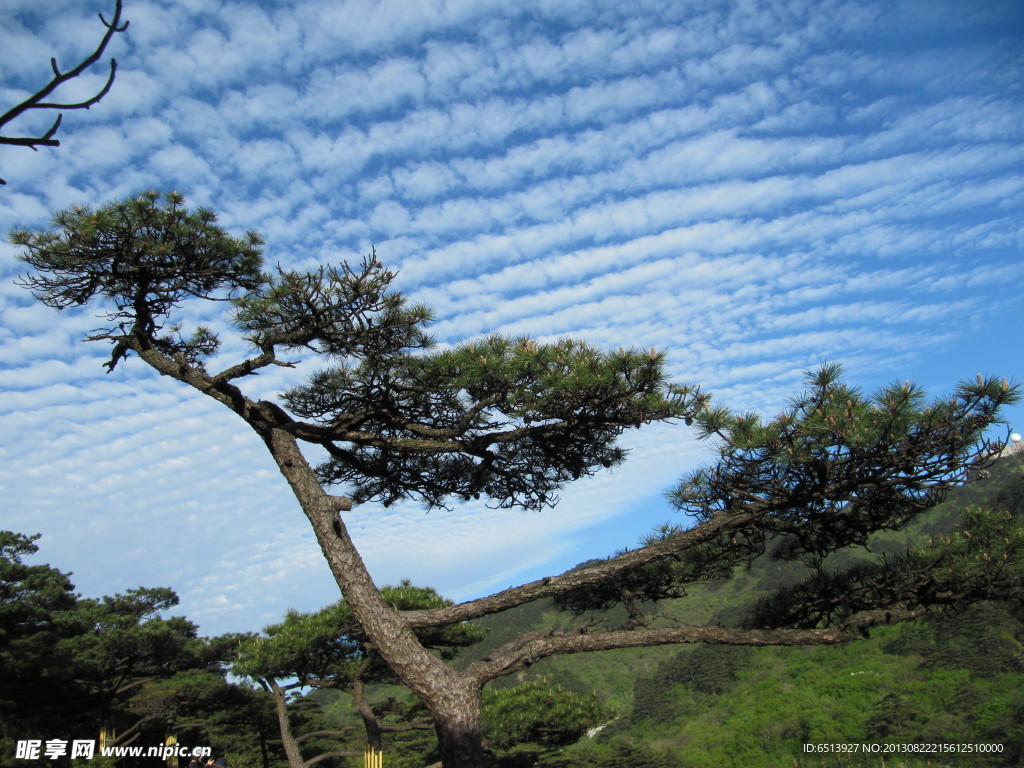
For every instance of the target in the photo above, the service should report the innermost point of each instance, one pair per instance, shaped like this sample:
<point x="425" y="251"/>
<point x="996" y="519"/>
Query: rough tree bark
<point x="288" y="740"/>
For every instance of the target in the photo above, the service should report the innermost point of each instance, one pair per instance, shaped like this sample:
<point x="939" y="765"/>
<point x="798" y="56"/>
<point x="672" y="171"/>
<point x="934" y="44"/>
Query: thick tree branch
<point x="328" y="755"/>
<point x="250" y="366"/>
<point x="530" y="648"/>
<point x="558" y="585"/>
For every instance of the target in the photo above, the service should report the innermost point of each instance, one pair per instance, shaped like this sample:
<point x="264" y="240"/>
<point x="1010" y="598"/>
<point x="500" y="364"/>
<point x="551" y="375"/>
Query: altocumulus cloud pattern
<point x="754" y="186"/>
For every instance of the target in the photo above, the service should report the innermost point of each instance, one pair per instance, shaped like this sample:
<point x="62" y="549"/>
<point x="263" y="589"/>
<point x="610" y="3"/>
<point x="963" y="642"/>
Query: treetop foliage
<point x="335" y="311"/>
<point x="525" y="417"/>
<point x="509" y="419"/>
<point x="32" y="597"/>
<point x="838" y="464"/>
<point x="144" y="255"/>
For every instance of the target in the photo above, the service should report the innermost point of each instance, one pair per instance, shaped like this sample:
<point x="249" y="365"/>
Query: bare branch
<point x="250" y="366"/>
<point x="35" y="101"/>
<point x="525" y="650"/>
<point x="420" y="724"/>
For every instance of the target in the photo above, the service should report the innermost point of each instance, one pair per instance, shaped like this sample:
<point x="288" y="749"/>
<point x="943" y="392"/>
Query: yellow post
<point x="169" y="758"/>
<point x="372" y="758"/>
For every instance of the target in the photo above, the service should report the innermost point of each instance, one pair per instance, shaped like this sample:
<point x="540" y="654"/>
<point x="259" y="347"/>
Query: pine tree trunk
<point x="368" y="716"/>
<point x="291" y="746"/>
<point x="453" y="699"/>
<point x="457" y="724"/>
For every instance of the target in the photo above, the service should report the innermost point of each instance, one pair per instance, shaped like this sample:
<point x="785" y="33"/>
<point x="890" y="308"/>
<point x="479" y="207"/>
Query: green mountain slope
<point x="952" y="679"/>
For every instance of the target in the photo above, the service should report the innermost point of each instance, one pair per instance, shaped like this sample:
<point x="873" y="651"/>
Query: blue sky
<point x="755" y="187"/>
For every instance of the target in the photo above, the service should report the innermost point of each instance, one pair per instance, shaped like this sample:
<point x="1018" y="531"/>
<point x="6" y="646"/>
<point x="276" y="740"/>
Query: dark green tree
<point x="112" y="667"/>
<point x="199" y="707"/>
<point x="35" y="601"/>
<point x="38" y="100"/>
<point x="122" y="647"/>
<point x="513" y="420"/>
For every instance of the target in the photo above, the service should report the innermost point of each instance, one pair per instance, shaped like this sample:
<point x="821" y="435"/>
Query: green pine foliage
<point x="147" y="251"/>
<point x="538" y="713"/>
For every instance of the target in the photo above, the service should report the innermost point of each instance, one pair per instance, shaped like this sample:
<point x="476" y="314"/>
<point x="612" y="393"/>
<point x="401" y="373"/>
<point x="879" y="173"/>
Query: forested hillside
<point x="953" y="678"/>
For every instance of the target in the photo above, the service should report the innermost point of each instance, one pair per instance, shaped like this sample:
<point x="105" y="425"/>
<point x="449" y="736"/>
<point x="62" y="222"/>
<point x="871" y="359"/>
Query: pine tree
<point x="512" y="421"/>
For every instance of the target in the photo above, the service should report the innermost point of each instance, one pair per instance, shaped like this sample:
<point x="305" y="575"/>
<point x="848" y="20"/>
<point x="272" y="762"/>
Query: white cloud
<point x="754" y="187"/>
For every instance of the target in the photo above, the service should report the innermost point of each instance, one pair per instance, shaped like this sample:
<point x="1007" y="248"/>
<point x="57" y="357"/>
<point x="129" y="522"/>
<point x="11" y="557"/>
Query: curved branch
<point x="251" y="366"/>
<point x="558" y="585"/>
<point x="80" y="104"/>
<point x="422" y="724"/>
<point x="530" y="648"/>
<point x="35" y="101"/>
